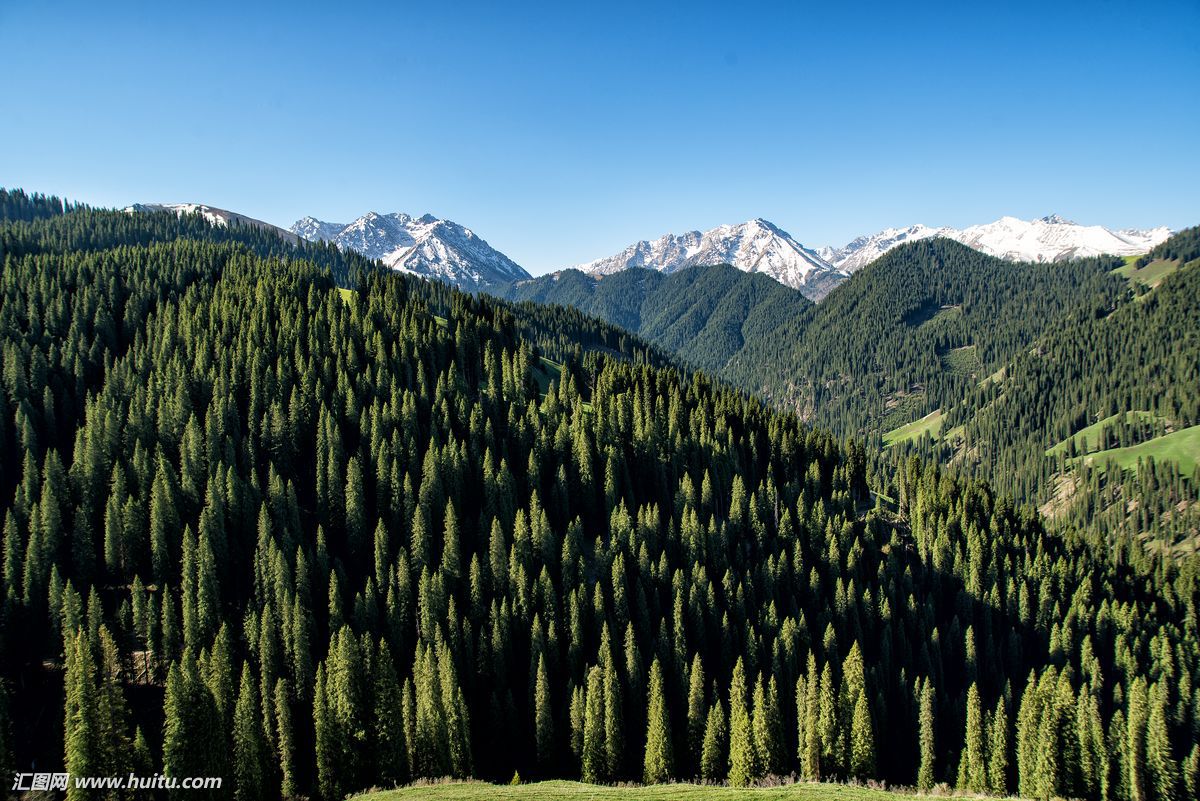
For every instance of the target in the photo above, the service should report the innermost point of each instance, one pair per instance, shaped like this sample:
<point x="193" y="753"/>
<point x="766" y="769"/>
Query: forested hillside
<point x="704" y="315"/>
<point x="1099" y="382"/>
<point x="316" y="541"/>
<point x="916" y="329"/>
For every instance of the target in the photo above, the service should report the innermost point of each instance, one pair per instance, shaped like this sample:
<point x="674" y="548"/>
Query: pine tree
<point x="696" y="713"/>
<point x="997" y="767"/>
<point x="1161" y="769"/>
<point x="973" y="771"/>
<point x="743" y="767"/>
<point x="327" y="737"/>
<point x="862" y="740"/>
<point x="830" y="731"/>
<point x="81" y="726"/>
<point x="614" y="725"/>
<point x="250" y="752"/>
<point x="925" y="771"/>
<point x="387" y="720"/>
<point x="810" y="746"/>
<point x="194" y="739"/>
<point x="658" y="730"/>
<point x="713" y="757"/>
<point x="451" y="556"/>
<point x="577" y="719"/>
<point x="286" y="737"/>
<point x="543" y="719"/>
<point x="595" y="760"/>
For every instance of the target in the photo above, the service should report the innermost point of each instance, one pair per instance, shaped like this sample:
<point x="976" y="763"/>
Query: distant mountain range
<point x="444" y="250"/>
<point x="1049" y="238"/>
<point x="756" y="246"/>
<point x="424" y="246"/>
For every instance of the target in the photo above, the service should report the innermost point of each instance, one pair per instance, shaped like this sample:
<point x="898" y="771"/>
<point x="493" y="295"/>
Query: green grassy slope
<point x="1181" y="447"/>
<point x="1151" y="274"/>
<point x="931" y="423"/>
<point x="1086" y="439"/>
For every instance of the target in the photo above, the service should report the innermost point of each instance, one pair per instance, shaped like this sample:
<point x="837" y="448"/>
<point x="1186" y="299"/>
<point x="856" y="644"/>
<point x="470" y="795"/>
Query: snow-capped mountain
<point x="754" y="246"/>
<point x="425" y="246"/>
<point x="1049" y="238"/>
<point x="218" y="217"/>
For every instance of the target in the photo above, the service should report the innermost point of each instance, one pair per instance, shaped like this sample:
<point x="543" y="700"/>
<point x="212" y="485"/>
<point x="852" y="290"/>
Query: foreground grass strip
<point x="576" y="791"/>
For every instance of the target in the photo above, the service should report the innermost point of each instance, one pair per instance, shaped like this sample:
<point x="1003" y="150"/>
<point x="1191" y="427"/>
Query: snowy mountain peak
<point x="425" y="246"/>
<point x="1047" y="239"/>
<point x="753" y="246"/>
<point x="1055" y="219"/>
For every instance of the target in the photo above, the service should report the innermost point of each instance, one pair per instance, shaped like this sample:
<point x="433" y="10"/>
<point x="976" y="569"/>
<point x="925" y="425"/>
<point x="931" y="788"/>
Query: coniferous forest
<point x="274" y="514"/>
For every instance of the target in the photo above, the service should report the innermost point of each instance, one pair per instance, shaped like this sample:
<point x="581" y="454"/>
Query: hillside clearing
<point x="1087" y="439"/>
<point x="931" y="423"/>
<point x="1151" y="275"/>
<point x="1181" y="447"/>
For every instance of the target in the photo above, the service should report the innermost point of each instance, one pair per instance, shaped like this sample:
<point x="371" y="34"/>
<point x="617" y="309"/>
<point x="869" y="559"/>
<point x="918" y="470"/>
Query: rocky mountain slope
<point x="425" y="246"/>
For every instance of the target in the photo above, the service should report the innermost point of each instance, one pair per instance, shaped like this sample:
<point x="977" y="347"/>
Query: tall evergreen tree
<point x="595" y="760"/>
<point x="713" y="756"/>
<point x="658" y="730"/>
<point x="252" y="772"/>
<point x="743" y="762"/>
<point x="925" y="770"/>
<point x="543" y="718"/>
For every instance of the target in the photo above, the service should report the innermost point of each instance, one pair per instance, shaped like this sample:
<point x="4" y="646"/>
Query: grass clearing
<point x="1087" y="439"/>
<point x="1181" y="447"/>
<point x="347" y="295"/>
<point x="1151" y="275"/>
<point x="545" y="372"/>
<point x="575" y="791"/>
<point x="931" y="423"/>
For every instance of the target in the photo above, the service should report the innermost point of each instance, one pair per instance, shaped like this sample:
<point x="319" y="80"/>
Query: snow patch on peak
<point x="1047" y="239"/>
<point x="427" y="246"/>
<point x="753" y="246"/>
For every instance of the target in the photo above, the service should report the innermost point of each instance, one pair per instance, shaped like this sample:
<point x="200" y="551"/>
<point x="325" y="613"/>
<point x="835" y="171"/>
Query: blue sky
<point x="562" y="132"/>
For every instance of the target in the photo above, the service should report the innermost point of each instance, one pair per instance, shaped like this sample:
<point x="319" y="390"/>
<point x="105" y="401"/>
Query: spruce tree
<point x="696" y="714"/>
<point x="862" y="740"/>
<point x="713" y="757"/>
<point x="595" y="760"/>
<point x="743" y="765"/>
<point x="658" y="730"/>
<point x="543" y="719"/>
<point x="925" y="769"/>
<point x="1161" y="769"/>
<point x="251" y="770"/>
<point x="286" y="737"/>
<point x="387" y="720"/>
<point x="327" y="741"/>
<point x="973" y="770"/>
<point x="81" y="726"/>
<point x="998" y="745"/>
<point x="810" y="747"/>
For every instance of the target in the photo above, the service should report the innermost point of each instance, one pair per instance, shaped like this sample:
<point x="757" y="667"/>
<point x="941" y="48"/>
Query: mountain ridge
<point x="1046" y="239"/>
<point x="755" y="246"/>
<point x="426" y="246"/>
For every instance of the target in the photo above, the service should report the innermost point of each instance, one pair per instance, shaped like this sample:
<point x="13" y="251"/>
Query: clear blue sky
<point x="562" y="132"/>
